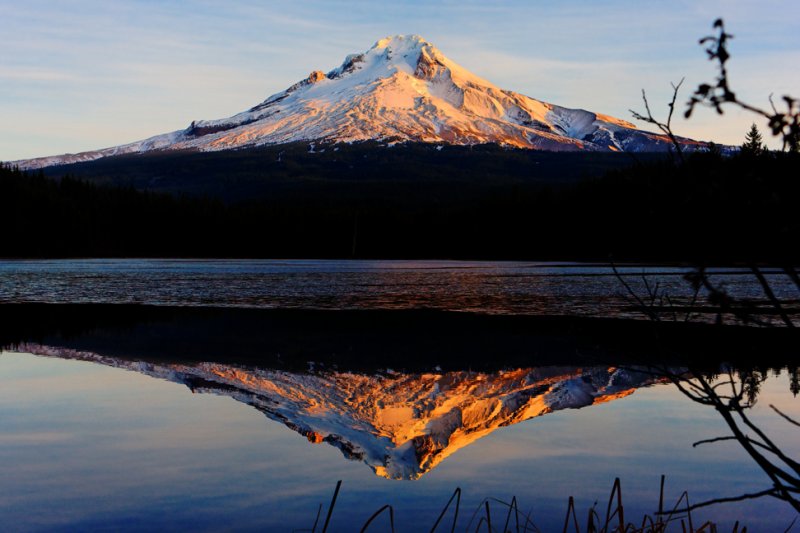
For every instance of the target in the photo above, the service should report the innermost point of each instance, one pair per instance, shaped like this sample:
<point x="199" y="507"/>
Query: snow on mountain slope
<point x="400" y="425"/>
<point x="401" y="89"/>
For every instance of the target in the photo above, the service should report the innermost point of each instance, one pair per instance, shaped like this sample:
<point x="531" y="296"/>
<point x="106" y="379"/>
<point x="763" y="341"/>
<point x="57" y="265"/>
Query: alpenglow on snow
<point x="400" y="425"/>
<point x="401" y="89"/>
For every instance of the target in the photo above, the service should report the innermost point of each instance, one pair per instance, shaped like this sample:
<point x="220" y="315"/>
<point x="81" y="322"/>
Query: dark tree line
<point x="72" y="218"/>
<point x="710" y="208"/>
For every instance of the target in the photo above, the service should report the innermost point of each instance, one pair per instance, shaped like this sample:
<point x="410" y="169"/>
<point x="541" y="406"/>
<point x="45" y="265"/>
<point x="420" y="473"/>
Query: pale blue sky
<point x="85" y="74"/>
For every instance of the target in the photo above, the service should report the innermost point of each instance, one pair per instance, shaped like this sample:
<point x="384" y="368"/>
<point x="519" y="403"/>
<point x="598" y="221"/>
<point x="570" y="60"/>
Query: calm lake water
<point x="86" y="445"/>
<point x="93" y="437"/>
<point x="481" y="286"/>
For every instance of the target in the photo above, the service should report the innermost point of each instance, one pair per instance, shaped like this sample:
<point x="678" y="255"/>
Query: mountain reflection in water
<point x="402" y="425"/>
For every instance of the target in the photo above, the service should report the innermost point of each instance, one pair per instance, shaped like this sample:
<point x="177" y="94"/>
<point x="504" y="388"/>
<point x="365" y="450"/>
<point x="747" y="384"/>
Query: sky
<point x="86" y="74"/>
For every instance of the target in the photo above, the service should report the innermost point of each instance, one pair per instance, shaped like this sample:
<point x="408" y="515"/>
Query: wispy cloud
<point x="17" y="73"/>
<point x="96" y="73"/>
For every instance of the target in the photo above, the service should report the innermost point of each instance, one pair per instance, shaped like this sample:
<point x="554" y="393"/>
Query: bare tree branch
<point x="785" y="416"/>
<point x="784" y="124"/>
<point x="771" y="296"/>
<point x="665" y="127"/>
<point x="749" y="496"/>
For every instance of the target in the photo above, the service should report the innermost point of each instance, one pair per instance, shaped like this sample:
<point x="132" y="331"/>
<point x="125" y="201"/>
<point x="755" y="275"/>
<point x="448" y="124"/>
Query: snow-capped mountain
<point x="401" y="89"/>
<point x="400" y="425"/>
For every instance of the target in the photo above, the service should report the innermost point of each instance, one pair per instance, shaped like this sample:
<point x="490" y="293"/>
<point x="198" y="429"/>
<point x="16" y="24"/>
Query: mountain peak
<point x="401" y="89"/>
<point x="400" y="43"/>
<point x="392" y="54"/>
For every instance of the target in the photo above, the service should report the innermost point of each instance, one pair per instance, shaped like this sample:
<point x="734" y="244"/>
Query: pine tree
<point x="753" y="143"/>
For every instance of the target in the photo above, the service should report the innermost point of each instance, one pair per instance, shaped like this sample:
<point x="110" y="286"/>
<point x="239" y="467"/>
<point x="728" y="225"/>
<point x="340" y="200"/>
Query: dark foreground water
<point x="480" y="286"/>
<point x="125" y="423"/>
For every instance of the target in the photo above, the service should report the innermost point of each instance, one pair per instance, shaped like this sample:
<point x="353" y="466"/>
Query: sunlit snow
<point x="401" y="89"/>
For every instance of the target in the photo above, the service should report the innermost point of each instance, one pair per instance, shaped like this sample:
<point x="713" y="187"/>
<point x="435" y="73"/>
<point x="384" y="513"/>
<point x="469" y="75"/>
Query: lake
<point x="494" y="287"/>
<point x="196" y="418"/>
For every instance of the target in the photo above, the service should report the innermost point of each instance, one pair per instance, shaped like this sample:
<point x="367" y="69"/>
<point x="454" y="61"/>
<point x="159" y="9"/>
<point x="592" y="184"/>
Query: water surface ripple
<point x="473" y="286"/>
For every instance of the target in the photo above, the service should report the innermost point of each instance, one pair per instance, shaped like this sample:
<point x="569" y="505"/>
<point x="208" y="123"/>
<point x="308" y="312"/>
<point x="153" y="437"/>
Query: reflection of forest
<point x="751" y="380"/>
<point x="732" y="393"/>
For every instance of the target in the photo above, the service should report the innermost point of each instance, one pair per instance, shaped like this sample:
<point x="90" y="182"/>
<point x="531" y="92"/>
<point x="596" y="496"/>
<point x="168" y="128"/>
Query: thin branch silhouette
<point x="784" y="124"/>
<point x="782" y="470"/>
<point x="665" y="127"/>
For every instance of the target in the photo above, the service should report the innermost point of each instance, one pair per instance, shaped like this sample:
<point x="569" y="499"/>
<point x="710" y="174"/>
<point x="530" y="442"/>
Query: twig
<point x="784" y="124"/>
<point x="616" y="489"/>
<point x="512" y="507"/>
<point x="692" y="303"/>
<point x="571" y="514"/>
<point x="643" y="307"/>
<point x="789" y="419"/>
<point x="665" y="127"/>
<point x="762" y="280"/>
<point x="333" y="503"/>
<point x="375" y="515"/>
<point x="457" y="496"/>
<point x="750" y="496"/>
